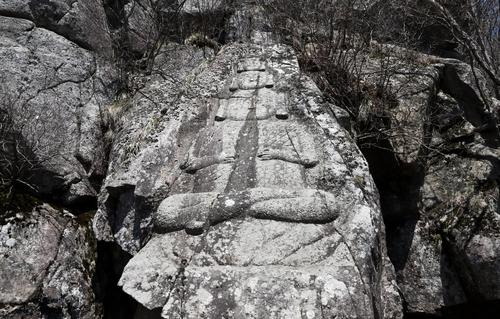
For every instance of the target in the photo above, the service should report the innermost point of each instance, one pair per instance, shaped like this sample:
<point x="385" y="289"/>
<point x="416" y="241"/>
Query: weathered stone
<point x="55" y="92"/>
<point x="269" y="209"/>
<point x="202" y="6"/>
<point x="146" y="124"/>
<point x="142" y="29"/>
<point x="434" y="158"/>
<point x="427" y="281"/>
<point x="470" y="90"/>
<point x="81" y="21"/>
<point x="46" y="267"/>
<point x="453" y="253"/>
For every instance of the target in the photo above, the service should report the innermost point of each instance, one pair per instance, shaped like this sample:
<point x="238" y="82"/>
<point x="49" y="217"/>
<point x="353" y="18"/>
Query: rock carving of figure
<point x="259" y="156"/>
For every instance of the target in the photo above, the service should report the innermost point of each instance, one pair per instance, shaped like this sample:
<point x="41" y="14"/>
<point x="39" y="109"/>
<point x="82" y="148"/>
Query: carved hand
<point x="270" y="154"/>
<point x="267" y="154"/>
<point x="226" y="159"/>
<point x="194" y="164"/>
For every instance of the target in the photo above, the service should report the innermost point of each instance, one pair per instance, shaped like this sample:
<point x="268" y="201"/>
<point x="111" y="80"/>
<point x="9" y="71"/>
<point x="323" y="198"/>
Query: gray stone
<point x="269" y="211"/>
<point x="202" y="6"/>
<point x="428" y="282"/>
<point x="440" y="193"/>
<point x="55" y="93"/>
<point x="49" y="268"/>
<point x="142" y="30"/>
<point x="81" y="21"/>
<point x="453" y="257"/>
<point x="137" y="181"/>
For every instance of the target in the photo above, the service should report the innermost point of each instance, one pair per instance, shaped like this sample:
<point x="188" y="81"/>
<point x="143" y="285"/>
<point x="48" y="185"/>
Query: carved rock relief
<point x="264" y="217"/>
<point x="251" y="159"/>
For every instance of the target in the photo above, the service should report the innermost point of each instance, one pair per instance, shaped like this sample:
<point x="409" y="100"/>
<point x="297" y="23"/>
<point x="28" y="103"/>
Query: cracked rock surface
<point x="80" y="21"/>
<point x="47" y="261"/>
<point x="259" y="221"/>
<point x="54" y="92"/>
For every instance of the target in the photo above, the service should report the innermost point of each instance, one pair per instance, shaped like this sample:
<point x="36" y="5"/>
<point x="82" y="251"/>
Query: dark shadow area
<point x="111" y="261"/>
<point x="398" y="186"/>
<point x="475" y="111"/>
<point x="123" y="202"/>
<point x="144" y="313"/>
<point x="480" y="310"/>
<point x="420" y="316"/>
<point x="115" y="13"/>
<point x="476" y="310"/>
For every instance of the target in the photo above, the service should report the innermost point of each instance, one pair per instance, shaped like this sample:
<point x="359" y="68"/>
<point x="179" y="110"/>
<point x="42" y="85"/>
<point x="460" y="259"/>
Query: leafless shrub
<point x="336" y="40"/>
<point x="27" y="145"/>
<point x="194" y="22"/>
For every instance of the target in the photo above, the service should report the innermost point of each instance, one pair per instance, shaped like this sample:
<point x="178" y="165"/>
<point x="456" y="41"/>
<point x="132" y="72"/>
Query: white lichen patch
<point x="334" y="290"/>
<point x="229" y="203"/>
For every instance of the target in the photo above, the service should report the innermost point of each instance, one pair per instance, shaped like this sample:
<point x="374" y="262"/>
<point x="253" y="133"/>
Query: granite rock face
<point x="439" y="182"/>
<point x="47" y="264"/>
<point x="454" y="255"/>
<point x="80" y="21"/>
<point x="270" y="210"/>
<point x="54" y="92"/>
<point x="136" y="180"/>
<point x="141" y="29"/>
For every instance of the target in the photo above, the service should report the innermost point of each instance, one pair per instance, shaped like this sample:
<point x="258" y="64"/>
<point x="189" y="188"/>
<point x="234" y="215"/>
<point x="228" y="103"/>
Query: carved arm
<point x="191" y="165"/>
<point x="288" y="156"/>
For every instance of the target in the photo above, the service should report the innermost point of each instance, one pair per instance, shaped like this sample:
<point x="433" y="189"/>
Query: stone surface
<point x="141" y="29"/>
<point x="202" y="6"/>
<point x="46" y="266"/>
<point x="438" y="182"/>
<point x="81" y="21"/>
<point x="55" y="93"/>
<point x="137" y="179"/>
<point x="269" y="211"/>
<point x="459" y="199"/>
<point x="231" y="180"/>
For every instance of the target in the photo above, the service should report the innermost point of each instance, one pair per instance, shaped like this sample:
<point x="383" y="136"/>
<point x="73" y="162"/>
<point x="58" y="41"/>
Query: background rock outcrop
<point x="48" y="262"/>
<point x="80" y="21"/>
<point x="53" y="94"/>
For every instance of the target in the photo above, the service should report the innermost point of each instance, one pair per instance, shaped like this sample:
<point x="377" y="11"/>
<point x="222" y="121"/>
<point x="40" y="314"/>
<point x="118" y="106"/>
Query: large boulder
<point x="268" y="207"/>
<point x="436" y="167"/>
<point x="457" y="238"/>
<point x="47" y="265"/>
<point x="81" y="21"/>
<point x="53" y="95"/>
